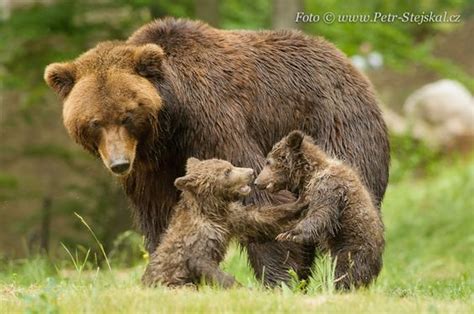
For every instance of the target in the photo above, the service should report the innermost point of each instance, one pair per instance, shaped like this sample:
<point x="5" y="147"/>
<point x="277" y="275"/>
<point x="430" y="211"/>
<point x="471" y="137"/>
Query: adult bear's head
<point x="111" y="105"/>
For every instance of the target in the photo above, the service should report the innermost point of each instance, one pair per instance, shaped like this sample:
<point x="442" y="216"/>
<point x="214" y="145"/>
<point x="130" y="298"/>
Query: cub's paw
<point x="149" y="281"/>
<point x="150" y="278"/>
<point x="296" y="235"/>
<point x="229" y="282"/>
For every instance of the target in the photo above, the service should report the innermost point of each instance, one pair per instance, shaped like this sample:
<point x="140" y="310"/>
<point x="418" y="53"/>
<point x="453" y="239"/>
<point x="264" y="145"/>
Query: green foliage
<point x="25" y="272"/>
<point x="80" y="263"/>
<point x="429" y="245"/>
<point x="43" y="301"/>
<point x="401" y="44"/>
<point x="323" y="275"/>
<point x="411" y="158"/>
<point x="128" y="250"/>
<point x="99" y="244"/>
<point x="8" y="186"/>
<point x="251" y="14"/>
<point x="295" y="285"/>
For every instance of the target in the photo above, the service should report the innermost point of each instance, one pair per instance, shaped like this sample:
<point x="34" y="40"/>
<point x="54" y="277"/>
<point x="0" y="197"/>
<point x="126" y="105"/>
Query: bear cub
<point x="338" y="214"/>
<point x="199" y="231"/>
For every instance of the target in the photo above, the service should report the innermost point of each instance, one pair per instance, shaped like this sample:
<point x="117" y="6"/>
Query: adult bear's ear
<point x="184" y="183"/>
<point x="148" y="60"/>
<point x="60" y="77"/>
<point x="294" y="140"/>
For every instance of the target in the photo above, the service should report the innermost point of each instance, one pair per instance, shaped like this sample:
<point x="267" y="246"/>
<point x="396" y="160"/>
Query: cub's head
<point x="215" y="179"/>
<point x="285" y="164"/>
<point x="110" y="104"/>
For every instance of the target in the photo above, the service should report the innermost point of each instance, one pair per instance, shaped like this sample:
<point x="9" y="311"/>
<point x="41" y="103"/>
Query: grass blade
<point x="101" y="247"/>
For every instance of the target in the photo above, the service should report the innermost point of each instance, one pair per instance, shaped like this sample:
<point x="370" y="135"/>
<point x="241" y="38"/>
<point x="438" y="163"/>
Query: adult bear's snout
<point x="117" y="150"/>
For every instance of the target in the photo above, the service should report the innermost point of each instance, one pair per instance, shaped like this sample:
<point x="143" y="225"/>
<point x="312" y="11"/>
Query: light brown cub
<point x="199" y="232"/>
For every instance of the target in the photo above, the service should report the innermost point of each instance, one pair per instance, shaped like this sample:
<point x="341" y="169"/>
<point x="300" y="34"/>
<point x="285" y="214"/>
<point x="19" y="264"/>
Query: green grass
<point x="428" y="268"/>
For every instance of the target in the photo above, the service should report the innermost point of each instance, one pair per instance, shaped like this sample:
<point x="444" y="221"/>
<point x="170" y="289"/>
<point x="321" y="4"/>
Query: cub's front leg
<point x="211" y="273"/>
<point x="320" y="219"/>
<point x="264" y="222"/>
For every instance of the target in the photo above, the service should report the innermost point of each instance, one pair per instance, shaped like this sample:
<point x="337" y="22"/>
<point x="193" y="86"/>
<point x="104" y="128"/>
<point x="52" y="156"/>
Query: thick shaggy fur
<point x="179" y="88"/>
<point x="338" y="213"/>
<point x="199" y="232"/>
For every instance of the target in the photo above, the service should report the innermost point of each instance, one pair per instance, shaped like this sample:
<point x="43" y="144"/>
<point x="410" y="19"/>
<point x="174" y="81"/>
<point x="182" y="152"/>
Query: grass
<point x="428" y="268"/>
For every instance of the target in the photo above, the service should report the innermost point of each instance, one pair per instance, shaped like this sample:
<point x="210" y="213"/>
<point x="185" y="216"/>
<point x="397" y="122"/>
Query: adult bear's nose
<point x="120" y="166"/>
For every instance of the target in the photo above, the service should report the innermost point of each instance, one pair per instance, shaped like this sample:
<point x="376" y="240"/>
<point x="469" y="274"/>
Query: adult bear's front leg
<point x="272" y="260"/>
<point x="153" y="196"/>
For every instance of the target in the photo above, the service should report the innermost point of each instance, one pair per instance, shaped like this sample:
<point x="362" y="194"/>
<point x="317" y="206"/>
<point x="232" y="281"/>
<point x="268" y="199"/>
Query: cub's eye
<point x="227" y="172"/>
<point x="268" y="162"/>
<point x="94" y="124"/>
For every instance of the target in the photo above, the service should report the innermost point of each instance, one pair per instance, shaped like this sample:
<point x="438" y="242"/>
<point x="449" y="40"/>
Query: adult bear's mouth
<point x="245" y="190"/>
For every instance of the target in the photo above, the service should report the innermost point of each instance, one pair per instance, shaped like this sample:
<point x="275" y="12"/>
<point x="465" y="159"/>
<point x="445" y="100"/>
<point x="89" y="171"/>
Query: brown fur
<point x="338" y="213"/>
<point x="199" y="232"/>
<point x="179" y="88"/>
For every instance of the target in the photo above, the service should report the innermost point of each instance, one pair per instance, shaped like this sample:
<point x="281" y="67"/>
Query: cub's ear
<point x="184" y="183"/>
<point x="60" y="77"/>
<point x="294" y="139"/>
<point x="191" y="162"/>
<point x="148" y="60"/>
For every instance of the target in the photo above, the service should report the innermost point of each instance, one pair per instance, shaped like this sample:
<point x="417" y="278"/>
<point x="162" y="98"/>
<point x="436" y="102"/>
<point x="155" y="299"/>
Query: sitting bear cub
<point x="338" y="213"/>
<point x="199" y="231"/>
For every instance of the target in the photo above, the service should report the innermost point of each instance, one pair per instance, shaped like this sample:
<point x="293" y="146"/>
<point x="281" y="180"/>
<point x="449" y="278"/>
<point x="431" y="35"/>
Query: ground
<point x="427" y="268"/>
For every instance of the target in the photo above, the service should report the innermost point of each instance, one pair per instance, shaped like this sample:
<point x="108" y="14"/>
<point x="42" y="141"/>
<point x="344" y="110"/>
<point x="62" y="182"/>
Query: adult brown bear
<point x="179" y="88"/>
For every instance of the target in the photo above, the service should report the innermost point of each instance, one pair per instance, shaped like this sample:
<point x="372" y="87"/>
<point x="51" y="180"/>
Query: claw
<point x="292" y="235"/>
<point x="282" y="236"/>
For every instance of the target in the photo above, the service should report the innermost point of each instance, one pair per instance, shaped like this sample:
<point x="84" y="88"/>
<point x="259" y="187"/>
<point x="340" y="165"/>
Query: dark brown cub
<point x="339" y="214"/>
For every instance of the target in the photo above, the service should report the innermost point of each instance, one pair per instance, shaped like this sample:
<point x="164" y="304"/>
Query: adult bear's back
<point x="272" y="83"/>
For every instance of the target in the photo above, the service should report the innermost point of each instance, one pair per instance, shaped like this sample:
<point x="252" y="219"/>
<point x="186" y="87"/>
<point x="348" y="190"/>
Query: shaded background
<point x="45" y="177"/>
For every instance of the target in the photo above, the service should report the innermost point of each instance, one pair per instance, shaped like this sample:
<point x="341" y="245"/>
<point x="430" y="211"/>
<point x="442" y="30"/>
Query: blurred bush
<point x="128" y="250"/>
<point x="411" y="158"/>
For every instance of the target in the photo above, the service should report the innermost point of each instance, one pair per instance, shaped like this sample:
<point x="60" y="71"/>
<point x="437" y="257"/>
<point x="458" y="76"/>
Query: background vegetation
<point x="50" y="262"/>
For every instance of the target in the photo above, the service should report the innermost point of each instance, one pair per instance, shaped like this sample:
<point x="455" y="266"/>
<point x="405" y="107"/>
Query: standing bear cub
<point x="338" y="214"/>
<point x="199" y="232"/>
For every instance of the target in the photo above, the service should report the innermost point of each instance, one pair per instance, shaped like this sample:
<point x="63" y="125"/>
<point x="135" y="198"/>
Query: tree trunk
<point x="45" y="224"/>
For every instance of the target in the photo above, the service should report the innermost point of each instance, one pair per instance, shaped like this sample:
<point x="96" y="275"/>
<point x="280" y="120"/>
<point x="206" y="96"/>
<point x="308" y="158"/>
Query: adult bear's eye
<point x="227" y="172"/>
<point x="94" y="124"/>
<point x="127" y="119"/>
